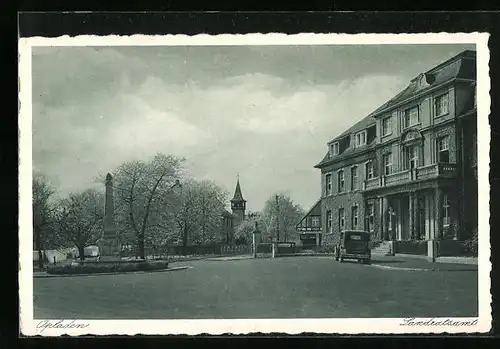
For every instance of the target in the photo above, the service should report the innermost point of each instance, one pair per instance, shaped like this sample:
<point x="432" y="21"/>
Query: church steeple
<point x="238" y="204"/>
<point x="237" y="192"/>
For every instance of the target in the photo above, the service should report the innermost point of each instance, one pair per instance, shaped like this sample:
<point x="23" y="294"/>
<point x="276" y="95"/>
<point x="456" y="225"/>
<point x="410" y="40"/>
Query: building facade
<point x="309" y="227"/>
<point x="408" y="171"/>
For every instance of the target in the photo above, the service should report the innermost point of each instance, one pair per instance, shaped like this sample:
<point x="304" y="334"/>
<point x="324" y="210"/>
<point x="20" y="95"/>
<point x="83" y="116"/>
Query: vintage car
<point x="354" y="244"/>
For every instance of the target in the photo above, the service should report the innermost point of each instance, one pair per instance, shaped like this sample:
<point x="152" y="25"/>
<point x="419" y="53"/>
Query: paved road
<point x="303" y="287"/>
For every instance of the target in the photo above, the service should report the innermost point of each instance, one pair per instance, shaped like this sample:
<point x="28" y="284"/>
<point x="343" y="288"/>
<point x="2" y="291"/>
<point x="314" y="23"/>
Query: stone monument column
<point x="108" y="244"/>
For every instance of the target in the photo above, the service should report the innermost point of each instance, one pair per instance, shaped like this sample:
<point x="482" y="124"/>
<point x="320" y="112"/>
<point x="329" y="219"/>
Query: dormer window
<point x="360" y="138"/>
<point x="334" y="149"/>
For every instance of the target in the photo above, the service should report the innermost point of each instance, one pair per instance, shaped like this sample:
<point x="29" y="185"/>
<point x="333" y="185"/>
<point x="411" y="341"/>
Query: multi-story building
<point x="408" y="171"/>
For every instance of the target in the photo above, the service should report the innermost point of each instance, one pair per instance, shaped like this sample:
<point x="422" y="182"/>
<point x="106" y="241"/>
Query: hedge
<point x="472" y="243"/>
<point x="447" y="248"/>
<point x="412" y="247"/>
<point x="107" y="267"/>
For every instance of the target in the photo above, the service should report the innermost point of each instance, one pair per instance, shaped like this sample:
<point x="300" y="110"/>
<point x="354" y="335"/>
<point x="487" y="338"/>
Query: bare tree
<point x="210" y="204"/>
<point x="198" y="215"/>
<point x="186" y="217"/>
<point x="246" y="228"/>
<point x="43" y="214"/>
<point x="80" y="219"/>
<point x="141" y="187"/>
<point x="280" y="212"/>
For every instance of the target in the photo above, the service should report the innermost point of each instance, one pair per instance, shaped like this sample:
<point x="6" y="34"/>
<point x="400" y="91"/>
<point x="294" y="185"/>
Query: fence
<point x="200" y="250"/>
<point x="281" y="248"/>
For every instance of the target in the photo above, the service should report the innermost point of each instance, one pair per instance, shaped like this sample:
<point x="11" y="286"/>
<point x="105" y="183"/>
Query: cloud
<point x="146" y="130"/>
<point x="264" y="112"/>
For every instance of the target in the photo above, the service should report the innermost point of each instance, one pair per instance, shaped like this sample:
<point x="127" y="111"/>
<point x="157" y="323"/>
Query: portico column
<point x="387" y="228"/>
<point x="381" y="217"/>
<point x="454" y="210"/>
<point x="438" y="199"/>
<point x="384" y="229"/>
<point x="411" y="215"/>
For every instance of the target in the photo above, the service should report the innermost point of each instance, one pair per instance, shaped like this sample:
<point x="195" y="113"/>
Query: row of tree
<point x="276" y="221"/>
<point x="156" y="205"/>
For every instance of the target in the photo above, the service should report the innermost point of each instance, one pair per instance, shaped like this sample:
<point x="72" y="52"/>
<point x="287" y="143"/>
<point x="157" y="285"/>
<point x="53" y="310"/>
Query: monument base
<point x="109" y="250"/>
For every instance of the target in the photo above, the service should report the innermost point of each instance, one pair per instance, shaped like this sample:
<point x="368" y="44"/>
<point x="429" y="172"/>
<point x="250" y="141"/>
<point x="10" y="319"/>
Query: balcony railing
<point x="299" y="228"/>
<point x="407" y="176"/>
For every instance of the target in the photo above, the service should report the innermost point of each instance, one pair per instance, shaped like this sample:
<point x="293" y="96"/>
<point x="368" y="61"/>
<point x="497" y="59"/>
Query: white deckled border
<point x="243" y="326"/>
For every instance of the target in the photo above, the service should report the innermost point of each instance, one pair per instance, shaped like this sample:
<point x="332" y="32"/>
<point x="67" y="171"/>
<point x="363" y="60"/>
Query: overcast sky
<point x="265" y="112"/>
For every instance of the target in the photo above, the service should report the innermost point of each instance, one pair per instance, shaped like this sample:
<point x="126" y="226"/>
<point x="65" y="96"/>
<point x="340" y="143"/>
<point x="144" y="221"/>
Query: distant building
<point x="238" y="204"/>
<point x="230" y="221"/>
<point x="407" y="171"/>
<point x="309" y="226"/>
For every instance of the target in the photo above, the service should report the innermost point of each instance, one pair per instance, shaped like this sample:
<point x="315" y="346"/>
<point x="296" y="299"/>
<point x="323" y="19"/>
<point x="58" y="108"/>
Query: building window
<point x="441" y="105"/>
<point x="386" y="126"/>
<point x="334" y="149"/>
<point x="315" y="221"/>
<point x="410" y="117"/>
<point x="443" y="149"/>
<point x="328" y="184"/>
<point x="370" y="217"/>
<point x="446" y="211"/>
<point x="341" y="181"/>
<point x="361" y="138"/>
<point x="341" y="219"/>
<point x="412" y="154"/>
<point x="387" y="163"/>
<point x="354" y="178"/>
<point x="329" y="220"/>
<point x="354" y="217"/>
<point x="369" y="170"/>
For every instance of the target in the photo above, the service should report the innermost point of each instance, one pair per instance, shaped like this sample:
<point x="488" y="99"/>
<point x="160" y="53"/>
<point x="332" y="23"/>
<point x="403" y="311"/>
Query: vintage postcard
<point x="272" y="183"/>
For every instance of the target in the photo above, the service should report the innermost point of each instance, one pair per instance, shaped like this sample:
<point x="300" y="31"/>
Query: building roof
<point x="453" y="68"/>
<point x="345" y="154"/>
<point x="316" y="206"/>
<point x="359" y="126"/>
<point x="237" y="192"/>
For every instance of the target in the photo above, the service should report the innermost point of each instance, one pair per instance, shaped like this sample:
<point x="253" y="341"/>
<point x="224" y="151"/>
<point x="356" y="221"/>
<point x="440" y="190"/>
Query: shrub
<point x="107" y="267"/>
<point x="415" y="247"/>
<point x="471" y="244"/>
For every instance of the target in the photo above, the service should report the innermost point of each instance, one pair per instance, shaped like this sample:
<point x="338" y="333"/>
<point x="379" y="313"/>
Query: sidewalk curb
<point x="442" y="259"/>
<point x="228" y="259"/>
<point x="47" y="276"/>
<point x="387" y="267"/>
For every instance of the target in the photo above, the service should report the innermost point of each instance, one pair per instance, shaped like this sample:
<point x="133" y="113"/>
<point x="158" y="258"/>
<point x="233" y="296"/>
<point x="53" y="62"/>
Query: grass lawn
<point x="304" y="287"/>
